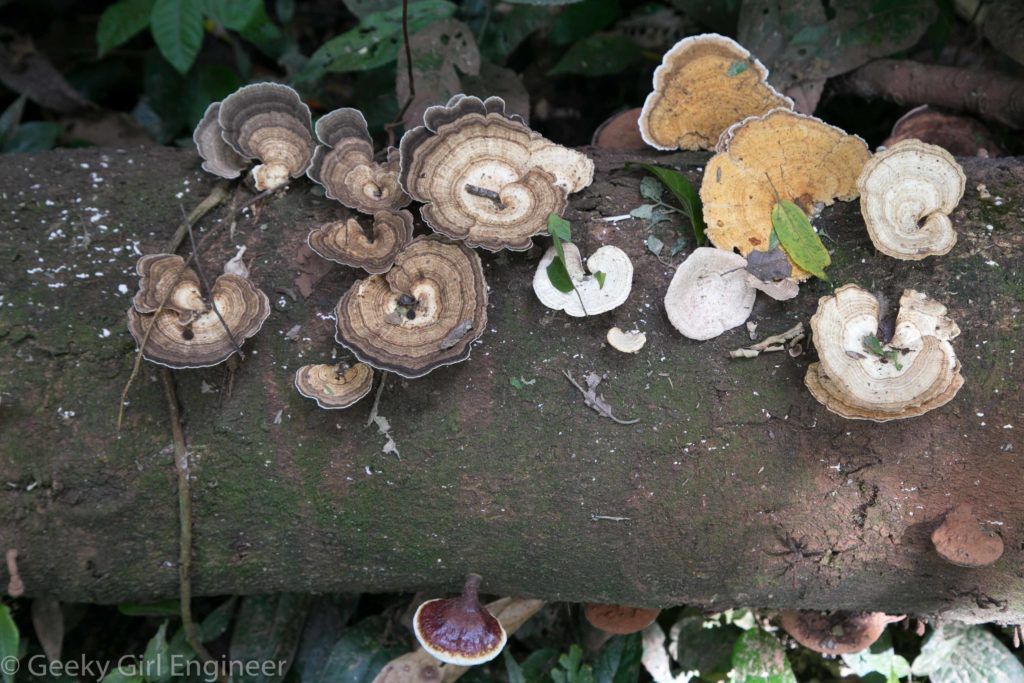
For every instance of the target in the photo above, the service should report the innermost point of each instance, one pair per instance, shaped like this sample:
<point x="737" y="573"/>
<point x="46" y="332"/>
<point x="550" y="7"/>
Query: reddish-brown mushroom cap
<point x="963" y="541"/>
<point x="835" y="633"/>
<point x="620" y="619"/>
<point x="459" y="630"/>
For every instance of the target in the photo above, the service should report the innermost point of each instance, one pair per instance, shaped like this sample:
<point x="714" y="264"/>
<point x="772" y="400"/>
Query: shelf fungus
<point x="712" y="292"/>
<point x="424" y="313"/>
<point x="861" y="375"/>
<point x="459" y="630"/>
<point x="962" y="540"/>
<point x="906" y="195"/>
<point x="705" y="84"/>
<point x="334" y="386"/>
<point x="590" y="295"/>
<point x="188" y="332"/>
<point x="344" y="165"/>
<point x="835" y="633"/>
<point x="781" y="155"/>
<point x="486" y="178"/>
<point x="619" y="619"/>
<point x="219" y="158"/>
<point x="268" y="121"/>
<point x="348" y="243"/>
<point x="626" y="342"/>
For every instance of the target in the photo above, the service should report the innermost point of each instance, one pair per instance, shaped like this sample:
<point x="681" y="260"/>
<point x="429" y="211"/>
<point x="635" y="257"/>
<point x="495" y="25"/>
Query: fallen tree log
<point x="734" y="488"/>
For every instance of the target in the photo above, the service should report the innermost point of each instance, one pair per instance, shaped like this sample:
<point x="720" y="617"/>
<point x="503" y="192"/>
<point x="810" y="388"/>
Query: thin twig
<point x="595" y="402"/>
<point x="217" y="195"/>
<point x="209" y="293"/>
<point x="376" y="399"/>
<point x="390" y="127"/>
<point x="185" y="520"/>
<point x="486" y="194"/>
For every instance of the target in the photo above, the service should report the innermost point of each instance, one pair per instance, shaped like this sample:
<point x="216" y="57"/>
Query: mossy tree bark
<point x="734" y="488"/>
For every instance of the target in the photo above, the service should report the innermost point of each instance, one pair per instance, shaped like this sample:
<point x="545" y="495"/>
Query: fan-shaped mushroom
<point x="424" y="313"/>
<point x="219" y="158"/>
<point x="347" y="243"/>
<point x="334" y="386"/>
<point x="835" y="633"/>
<point x="192" y="335"/>
<point x="859" y="376"/>
<point x="590" y="296"/>
<point x="485" y="177"/>
<point x="269" y="122"/>
<point x="459" y="630"/>
<point x="705" y="84"/>
<point x="906" y="195"/>
<point x="761" y="160"/>
<point x="619" y="619"/>
<point x="344" y="165"/>
<point x="626" y="342"/>
<point x="962" y="540"/>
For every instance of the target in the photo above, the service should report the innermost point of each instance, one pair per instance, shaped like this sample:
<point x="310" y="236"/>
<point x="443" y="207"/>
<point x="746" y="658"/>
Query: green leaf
<point x="758" y="657"/>
<point x="582" y="19"/>
<point x="11" y="117"/>
<point x="542" y="2"/>
<point x="177" y="27"/>
<point x="216" y="622"/>
<point x="698" y="648"/>
<point x="233" y="14"/>
<point x="736" y="68"/>
<point x="9" y="638"/>
<point x="560" y="231"/>
<point x="516" y="384"/>
<point x="512" y="668"/>
<point x="600" y="276"/>
<point x="34" y="136"/>
<point x="268" y="628"/>
<point x="798" y="238"/>
<point x="126" y="675"/>
<point x="121" y="22"/>
<point x="572" y="668"/>
<point x="156" y="661"/>
<point x="364" y="8"/>
<point x="654" y="245"/>
<point x="359" y="655"/>
<point x="957" y="652"/>
<point x="507" y="31"/>
<point x="619" y="660"/>
<point x="880" y="658"/>
<point x="602" y="54"/>
<point x="163" y="608"/>
<point x="559" y="276"/>
<point x="374" y="42"/>
<point x="651" y="188"/>
<point x="685" y="193"/>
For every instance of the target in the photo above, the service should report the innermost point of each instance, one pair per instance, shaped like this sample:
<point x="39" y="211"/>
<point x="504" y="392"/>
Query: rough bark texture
<point x="735" y="488"/>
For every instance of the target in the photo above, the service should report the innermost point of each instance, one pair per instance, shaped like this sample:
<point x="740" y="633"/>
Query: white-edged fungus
<point x="334" y="386"/>
<point x="459" y="630"/>
<point x="589" y="297"/>
<point x="626" y="342"/>
<point x="348" y="243"/>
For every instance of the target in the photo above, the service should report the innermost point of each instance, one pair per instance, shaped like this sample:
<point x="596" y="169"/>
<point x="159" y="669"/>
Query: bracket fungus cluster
<point x="590" y="296"/>
<point x="348" y="243"/>
<point x="835" y="633"/>
<point x="459" y="630"/>
<point x="423" y="313"/>
<point x="905" y="376"/>
<point x="334" y="386"/>
<point x="484" y="177"/>
<point x="187" y="332"/>
<point x="265" y="121"/>
<point x="906" y="195"/>
<point x="705" y="84"/>
<point x="343" y="164"/>
<point x="962" y="540"/>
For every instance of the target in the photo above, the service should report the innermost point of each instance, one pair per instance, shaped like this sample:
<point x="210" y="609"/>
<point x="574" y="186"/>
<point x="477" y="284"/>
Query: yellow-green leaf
<point x="798" y="239"/>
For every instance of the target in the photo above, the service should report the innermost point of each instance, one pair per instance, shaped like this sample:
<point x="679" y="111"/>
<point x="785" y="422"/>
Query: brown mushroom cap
<point x="856" y="384"/>
<point x="164" y="279"/>
<point x="218" y="156"/>
<point x="620" y="131"/>
<point x="333" y="386"/>
<point x="960" y="135"/>
<point x="619" y="619"/>
<point x="906" y="195"/>
<point x="835" y="633"/>
<point x="782" y="155"/>
<point x="344" y="165"/>
<point x="424" y="313"/>
<point x="459" y="630"/>
<point x="269" y="122"/>
<point x="705" y="84"/>
<point x="203" y="341"/>
<point x="347" y="243"/>
<point x="962" y="540"/>
<point x="485" y="177"/>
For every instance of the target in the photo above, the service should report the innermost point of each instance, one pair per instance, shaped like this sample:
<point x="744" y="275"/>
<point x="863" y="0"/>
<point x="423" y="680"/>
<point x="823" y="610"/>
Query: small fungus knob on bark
<point x="619" y="619"/>
<point x="906" y="195"/>
<point x="590" y="296"/>
<point x="269" y="122"/>
<point x="962" y="540"/>
<point x="343" y="164"/>
<point x="333" y="386"/>
<point x="835" y="633"/>
<point x="705" y="84"/>
<point x="459" y="630"/>
<point x="347" y="242"/>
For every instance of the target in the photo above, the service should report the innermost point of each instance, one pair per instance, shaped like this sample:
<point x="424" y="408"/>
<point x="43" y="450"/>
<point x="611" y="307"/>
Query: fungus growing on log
<point x="192" y="334"/>
<point x="860" y="375"/>
<point x="219" y="158"/>
<point x="906" y="195"/>
<point x="835" y="633"/>
<point x="960" y="135"/>
<point x="626" y="342"/>
<point x="344" y="165"/>
<point x="334" y="386"/>
<point x="962" y="540"/>
<point x="459" y="630"/>
<point x="621" y="132"/>
<point x="268" y="121"/>
<point x="424" y="313"/>
<point x="619" y="619"/>
<point x="705" y="84"/>
<point x="347" y="242"/>
<point x="590" y="295"/>
<point x="486" y="178"/>
<point x="782" y="155"/>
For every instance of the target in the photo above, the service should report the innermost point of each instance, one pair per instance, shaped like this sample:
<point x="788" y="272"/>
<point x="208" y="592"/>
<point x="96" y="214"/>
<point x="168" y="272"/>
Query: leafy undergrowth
<point x="350" y="638"/>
